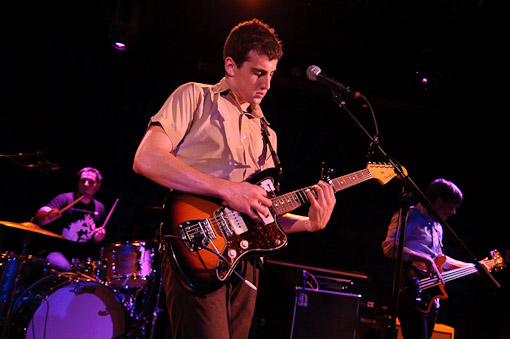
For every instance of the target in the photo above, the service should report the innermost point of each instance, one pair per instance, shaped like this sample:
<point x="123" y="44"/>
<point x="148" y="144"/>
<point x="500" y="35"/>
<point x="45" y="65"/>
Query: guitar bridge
<point x="196" y="234"/>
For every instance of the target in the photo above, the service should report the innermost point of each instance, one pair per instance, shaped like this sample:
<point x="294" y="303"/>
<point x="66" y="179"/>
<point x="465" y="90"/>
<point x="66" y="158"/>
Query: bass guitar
<point x="207" y="239"/>
<point x="422" y="292"/>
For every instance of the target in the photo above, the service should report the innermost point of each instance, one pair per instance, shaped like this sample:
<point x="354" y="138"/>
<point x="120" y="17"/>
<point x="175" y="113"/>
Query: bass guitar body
<point x="422" y="298"/>
<point x="207" y="239"/>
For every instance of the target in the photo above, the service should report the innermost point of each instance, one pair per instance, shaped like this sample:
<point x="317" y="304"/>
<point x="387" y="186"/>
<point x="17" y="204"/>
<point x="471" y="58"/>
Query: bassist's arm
<point x="451" y="263"/>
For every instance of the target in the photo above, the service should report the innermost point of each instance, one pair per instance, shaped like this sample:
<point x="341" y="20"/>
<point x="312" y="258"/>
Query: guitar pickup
<point x="235" y="221"/>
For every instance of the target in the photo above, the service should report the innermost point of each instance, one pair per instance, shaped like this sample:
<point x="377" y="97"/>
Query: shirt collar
<point x="426" y="214"/>
<point x="223" y="88"/>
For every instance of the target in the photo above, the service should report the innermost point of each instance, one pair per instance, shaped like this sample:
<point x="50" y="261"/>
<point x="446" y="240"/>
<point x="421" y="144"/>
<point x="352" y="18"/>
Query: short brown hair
<point x="252" y="35"/>
<point x="447" y="190"/>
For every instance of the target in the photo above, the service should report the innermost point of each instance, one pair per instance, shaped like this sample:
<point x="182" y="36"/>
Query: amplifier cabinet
<point x="324" y="314"/>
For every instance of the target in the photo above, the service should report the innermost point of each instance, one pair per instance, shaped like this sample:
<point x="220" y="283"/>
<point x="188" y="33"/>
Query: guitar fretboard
<point x="292" y="200"/>
<point x="450" y="275"/>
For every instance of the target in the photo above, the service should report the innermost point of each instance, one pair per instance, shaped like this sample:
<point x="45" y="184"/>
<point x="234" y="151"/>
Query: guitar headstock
<point x="495" y="262"/>
<point x="383" y="172"/>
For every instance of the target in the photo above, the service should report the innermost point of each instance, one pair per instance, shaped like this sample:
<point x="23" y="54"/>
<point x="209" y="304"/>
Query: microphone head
<point x="313" y="72"/>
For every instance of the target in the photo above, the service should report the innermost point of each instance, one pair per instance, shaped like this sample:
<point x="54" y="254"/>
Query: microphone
<point x="314" y="73"/>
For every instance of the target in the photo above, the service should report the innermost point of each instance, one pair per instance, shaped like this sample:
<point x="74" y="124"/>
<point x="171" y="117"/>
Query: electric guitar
<point x="422" y="292"/>
<point x="207" y="239"/>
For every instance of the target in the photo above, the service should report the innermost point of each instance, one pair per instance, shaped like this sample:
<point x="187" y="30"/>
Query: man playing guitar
<point x="423" y="248"/>
<point x="206" y="140"/>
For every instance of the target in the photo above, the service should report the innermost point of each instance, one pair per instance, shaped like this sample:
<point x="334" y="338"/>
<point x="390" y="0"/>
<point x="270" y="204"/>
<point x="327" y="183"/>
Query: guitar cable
<point x="247" y="282"/>
<point x="218" y="254"/>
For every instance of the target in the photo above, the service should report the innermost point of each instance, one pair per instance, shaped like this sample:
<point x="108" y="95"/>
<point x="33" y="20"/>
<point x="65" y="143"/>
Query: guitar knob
<point x="244" y="244"/>
<point x="232" y="253"/>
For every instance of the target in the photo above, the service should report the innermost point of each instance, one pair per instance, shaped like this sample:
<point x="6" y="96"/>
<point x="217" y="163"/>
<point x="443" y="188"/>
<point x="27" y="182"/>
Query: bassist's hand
<point x="248" y="199"/>
<point x="433" y="270"/>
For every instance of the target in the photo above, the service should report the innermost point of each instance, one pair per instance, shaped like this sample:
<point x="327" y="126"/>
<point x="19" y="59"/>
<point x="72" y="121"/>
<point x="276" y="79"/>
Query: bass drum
<point x="69" y="305"/>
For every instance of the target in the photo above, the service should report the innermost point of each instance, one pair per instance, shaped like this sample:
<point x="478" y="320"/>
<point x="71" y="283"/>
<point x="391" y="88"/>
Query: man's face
<point x="251" y="81"/>
<point x="444" y="209"/>
<point x="88" y="185"/>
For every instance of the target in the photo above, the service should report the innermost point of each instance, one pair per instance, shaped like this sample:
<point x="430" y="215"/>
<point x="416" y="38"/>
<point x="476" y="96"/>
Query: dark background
<point x="67" y="92"/>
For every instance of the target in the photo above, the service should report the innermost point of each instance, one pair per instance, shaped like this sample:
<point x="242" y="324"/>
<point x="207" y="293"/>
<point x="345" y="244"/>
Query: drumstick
<point x="107" y="217"/>
<point x="110" y="213"/>
<point x="71" y="204"/>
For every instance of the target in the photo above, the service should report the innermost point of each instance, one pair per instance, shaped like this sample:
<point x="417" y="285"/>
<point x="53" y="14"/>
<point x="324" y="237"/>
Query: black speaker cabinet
<point x="324" y="314"/>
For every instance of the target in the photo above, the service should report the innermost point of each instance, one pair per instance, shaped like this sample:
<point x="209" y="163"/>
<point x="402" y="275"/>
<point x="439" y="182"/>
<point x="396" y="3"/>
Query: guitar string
<point x="447" y="276"/>
<point x="435" y="281"/>
<point x="220" y="256"/>
<point x="298" y="197"/>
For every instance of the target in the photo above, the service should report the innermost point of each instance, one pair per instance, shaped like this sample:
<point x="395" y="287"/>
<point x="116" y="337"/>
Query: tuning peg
<point x="326" y="173"/>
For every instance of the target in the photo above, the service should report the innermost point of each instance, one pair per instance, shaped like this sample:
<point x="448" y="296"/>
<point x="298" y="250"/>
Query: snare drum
<point x="69" y="305"/>
<point x="127" y="264"/>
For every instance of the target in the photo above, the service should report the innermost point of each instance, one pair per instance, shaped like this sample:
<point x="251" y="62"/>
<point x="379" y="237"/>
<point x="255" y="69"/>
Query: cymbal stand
<point x="157" y="309"/>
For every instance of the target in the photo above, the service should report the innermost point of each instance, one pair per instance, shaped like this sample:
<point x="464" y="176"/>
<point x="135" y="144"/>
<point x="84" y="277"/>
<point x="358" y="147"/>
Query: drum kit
<point x="115" y="296"/>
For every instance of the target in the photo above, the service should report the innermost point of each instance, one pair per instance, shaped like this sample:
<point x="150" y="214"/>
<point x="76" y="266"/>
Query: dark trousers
<point x="222" y="314"/>
<point x="415" y="324"/>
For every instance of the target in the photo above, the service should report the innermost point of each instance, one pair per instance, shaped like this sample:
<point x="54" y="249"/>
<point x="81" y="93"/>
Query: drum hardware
<point x="150" y="311"/>
<point x="88" y="267"/>
<point x="37" y="160"/>
<point x="127" y="265"/>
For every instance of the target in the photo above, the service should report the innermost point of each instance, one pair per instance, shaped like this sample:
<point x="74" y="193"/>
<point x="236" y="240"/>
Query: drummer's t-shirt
<point x="79" y="221"/>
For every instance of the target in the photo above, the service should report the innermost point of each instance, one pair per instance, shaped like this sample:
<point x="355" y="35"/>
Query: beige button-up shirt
<point x="210" y="132"/>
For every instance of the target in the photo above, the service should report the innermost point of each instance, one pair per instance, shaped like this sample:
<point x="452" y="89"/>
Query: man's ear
<point x="230" y="66"/>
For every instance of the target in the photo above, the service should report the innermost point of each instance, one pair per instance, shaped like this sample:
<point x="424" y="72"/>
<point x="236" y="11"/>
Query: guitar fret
<point x="351" y="179"/>
<point x="289" y="201"/>
<point x="447" y="276"/>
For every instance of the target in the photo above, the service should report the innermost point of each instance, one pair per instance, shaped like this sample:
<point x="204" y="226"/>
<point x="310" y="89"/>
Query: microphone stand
<point x="409" y="188"/>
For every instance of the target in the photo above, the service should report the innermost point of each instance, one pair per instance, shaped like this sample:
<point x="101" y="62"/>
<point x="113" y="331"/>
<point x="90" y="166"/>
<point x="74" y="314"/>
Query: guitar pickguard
<point x="207" y="239"/>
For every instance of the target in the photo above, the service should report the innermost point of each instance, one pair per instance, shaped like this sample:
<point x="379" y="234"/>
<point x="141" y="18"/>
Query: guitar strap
<point x="265" y="136"/>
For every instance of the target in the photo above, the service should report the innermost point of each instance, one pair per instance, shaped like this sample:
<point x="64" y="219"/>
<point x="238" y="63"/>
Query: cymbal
<point x="28" y="226"/>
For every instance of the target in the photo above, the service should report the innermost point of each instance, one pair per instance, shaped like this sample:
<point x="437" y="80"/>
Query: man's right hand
<point x="247" y="198"/>
<point x="433" y="270"/>
<point x="45" y="215"/>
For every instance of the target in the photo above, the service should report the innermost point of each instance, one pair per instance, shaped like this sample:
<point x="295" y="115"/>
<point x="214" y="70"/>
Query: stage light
<point x="122" y="36"/>
<point x="425" y="73"/>
<point x="119" y="46"/>
<point x="124" y="24"/>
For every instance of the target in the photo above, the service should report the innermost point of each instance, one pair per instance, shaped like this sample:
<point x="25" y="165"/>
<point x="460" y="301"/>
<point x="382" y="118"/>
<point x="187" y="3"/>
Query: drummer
<point x="77" y="216"/>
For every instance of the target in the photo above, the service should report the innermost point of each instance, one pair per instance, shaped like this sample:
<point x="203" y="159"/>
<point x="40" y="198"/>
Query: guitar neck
<point x="448" y="276"/>
<point x="290" y="201"/>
